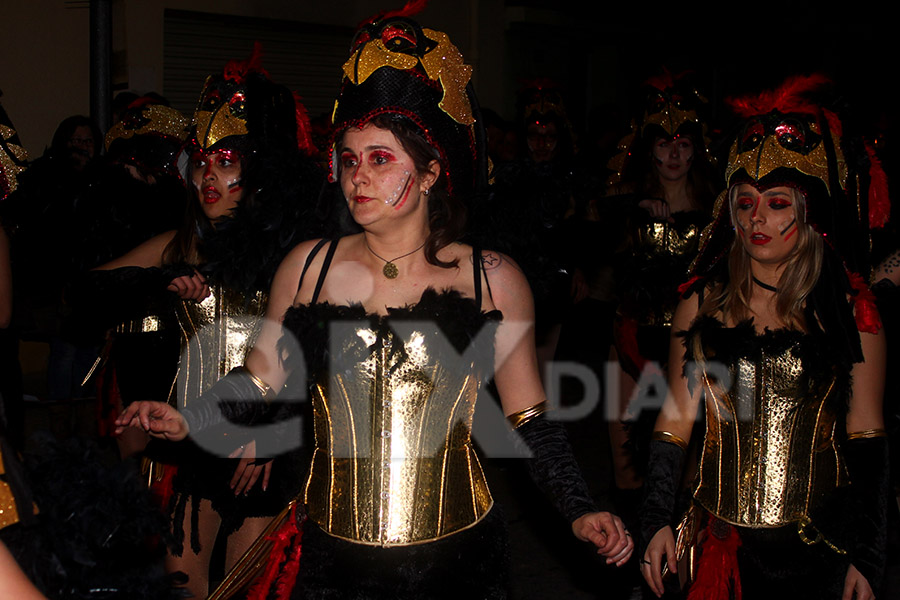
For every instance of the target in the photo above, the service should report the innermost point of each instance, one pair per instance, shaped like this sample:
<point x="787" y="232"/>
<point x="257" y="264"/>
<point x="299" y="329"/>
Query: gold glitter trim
<point x="444" y="64"/>
<point x="158" y="119"/>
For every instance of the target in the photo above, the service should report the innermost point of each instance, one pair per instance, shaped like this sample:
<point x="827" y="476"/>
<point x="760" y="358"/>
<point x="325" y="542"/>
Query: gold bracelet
<point x="866" y="434"/>
<point x="263" y="387"/>
<point x="667" y="436"/>
<point x="517" y="419"/>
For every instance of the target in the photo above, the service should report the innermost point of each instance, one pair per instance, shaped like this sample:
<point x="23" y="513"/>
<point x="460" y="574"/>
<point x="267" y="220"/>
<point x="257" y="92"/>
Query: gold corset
<point x="661" y="238"/>
<point x="217" y="335"/>
<point x="393" y="462"/>
<point x="769" y="453"/>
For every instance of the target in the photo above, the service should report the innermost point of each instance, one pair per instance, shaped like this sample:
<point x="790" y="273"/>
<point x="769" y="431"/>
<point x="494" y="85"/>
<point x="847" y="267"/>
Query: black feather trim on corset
<point x="244" y="251"/>
<point x="822" y="364"/>
<point x="456" y="317"/>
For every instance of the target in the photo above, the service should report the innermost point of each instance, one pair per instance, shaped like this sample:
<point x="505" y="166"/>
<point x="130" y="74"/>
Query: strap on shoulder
<point x="325" y="265"/>
<point x="309" y="259"/>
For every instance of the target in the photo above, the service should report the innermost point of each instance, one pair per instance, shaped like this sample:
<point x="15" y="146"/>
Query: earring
<point x="427" y="191"/>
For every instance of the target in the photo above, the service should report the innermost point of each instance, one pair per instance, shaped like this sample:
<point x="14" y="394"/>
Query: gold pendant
<point x="390" y="270"/>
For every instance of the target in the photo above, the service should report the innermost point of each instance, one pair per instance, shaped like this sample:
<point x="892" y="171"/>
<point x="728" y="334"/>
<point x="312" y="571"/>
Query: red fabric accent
<point x="865" y="310"/>
<point x="718" y="577"/>
<point x="286" y="535"/>
<point x="304" y="128"/>
<point x="879" y="201"/>
<point x="684" y="287"/>
<point x="164" y="489"/>
<point x="288" y="576"/>
<point x="788" y="98"/>
<point x="237" y="70"/>
<point x="626" y="343"/>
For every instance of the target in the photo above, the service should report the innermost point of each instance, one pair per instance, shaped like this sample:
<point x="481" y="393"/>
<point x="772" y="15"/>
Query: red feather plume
<point x="790" y="97"/>
<point x="237" y="70"/>
<point x="865" y="311"/>
<point x="304" y="128"/>
<point x="879" y="202"/>
<point x="412" y="7"/>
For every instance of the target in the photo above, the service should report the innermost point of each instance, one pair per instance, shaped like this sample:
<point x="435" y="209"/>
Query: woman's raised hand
<point x="190" y="287"/>
<point x="159" y="419"/>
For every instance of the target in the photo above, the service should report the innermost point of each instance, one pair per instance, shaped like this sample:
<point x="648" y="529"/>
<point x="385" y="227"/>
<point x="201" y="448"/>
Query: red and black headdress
<point x="787" y="139"/>
<point x="243" y="108"/>
<point x="397" y="67"/>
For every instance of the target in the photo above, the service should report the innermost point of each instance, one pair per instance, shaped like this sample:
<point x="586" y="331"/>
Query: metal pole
<point x="101" y="61"/>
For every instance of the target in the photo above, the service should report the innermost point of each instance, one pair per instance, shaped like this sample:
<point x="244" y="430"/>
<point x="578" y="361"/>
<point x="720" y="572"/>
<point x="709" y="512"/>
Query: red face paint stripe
<point x="409" y="181"/>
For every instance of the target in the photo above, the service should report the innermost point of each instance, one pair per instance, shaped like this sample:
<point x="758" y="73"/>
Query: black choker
<point x="764" y="286"/>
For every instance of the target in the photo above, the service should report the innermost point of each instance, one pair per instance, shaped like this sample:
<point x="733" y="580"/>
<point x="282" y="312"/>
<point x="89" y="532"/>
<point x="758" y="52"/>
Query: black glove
<point x="554" y="469"/>
<point x="867" y="464"/>
<point x="660" y="487"/>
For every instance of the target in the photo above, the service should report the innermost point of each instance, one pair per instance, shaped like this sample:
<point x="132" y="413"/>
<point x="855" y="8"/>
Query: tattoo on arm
<point x="489" y="260"/>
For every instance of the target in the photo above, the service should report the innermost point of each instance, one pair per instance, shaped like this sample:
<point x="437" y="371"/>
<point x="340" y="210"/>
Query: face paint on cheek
<point x="409" y="185"/>
<point x="790" y="230"/>
<point x="234" y="186"/>
<point x="398" y="196"/>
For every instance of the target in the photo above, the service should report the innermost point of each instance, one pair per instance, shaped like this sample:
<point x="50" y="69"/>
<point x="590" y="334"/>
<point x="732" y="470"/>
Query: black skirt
<point x="471" y="564"/>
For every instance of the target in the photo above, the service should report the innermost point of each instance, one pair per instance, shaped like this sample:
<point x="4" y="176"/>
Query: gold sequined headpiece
<point x="13" y="157"/>
<point x="397" y="67"/>
<point x="672" y="108"/>
<point x="148" y="136"/>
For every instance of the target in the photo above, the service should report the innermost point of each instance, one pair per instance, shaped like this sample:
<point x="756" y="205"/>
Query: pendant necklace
<point x="389" y="269"/>
<point x="764" y="286"/>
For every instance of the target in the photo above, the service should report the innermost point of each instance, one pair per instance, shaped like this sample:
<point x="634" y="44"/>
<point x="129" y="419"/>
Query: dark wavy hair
<point x="446" y="213"/>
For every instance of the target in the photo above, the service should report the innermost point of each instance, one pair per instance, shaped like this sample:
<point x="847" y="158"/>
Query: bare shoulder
<point x="508" y="285"/>
<point x="149" y="254"/>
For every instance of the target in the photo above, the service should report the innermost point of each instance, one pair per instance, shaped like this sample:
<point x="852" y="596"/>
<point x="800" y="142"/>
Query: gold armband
<point x="517" y="419"/>
<point x="265" y="390"/>
<point x="666" y="436"/>
<point x="866" y="434"/>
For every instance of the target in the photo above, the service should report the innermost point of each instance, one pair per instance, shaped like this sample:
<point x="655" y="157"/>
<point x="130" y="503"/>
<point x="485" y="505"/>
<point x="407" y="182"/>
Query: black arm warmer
<point x="867" y="464"/>
<point x="554" y="469"/>
<point x="660" y="487"/>
<point x="219" y="419"/>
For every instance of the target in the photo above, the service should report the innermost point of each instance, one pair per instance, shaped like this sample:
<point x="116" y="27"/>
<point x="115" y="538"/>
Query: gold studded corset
<point x="217" y="333"/>
<point x="769" y="453"/>
<point x="393" y="462"/>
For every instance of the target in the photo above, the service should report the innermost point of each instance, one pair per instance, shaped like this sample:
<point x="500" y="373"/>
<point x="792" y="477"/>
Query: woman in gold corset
<point x="399" y="326"/>
<point x="252" y="190"/>
<point x="781" y="346"/>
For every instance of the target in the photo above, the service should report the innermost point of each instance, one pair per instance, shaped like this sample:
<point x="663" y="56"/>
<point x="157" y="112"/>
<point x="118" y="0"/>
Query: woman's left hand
<point x="856" y="587"/>
<point x="247" y="472"/>
<point x="607" y="532"/>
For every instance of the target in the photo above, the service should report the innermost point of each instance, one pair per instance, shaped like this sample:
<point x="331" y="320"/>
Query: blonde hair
<point x="801" y="271"/>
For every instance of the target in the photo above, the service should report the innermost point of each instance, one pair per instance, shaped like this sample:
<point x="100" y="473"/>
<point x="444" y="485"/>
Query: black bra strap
<point x="309" y="259"/>
<point x="328" y="256"/>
